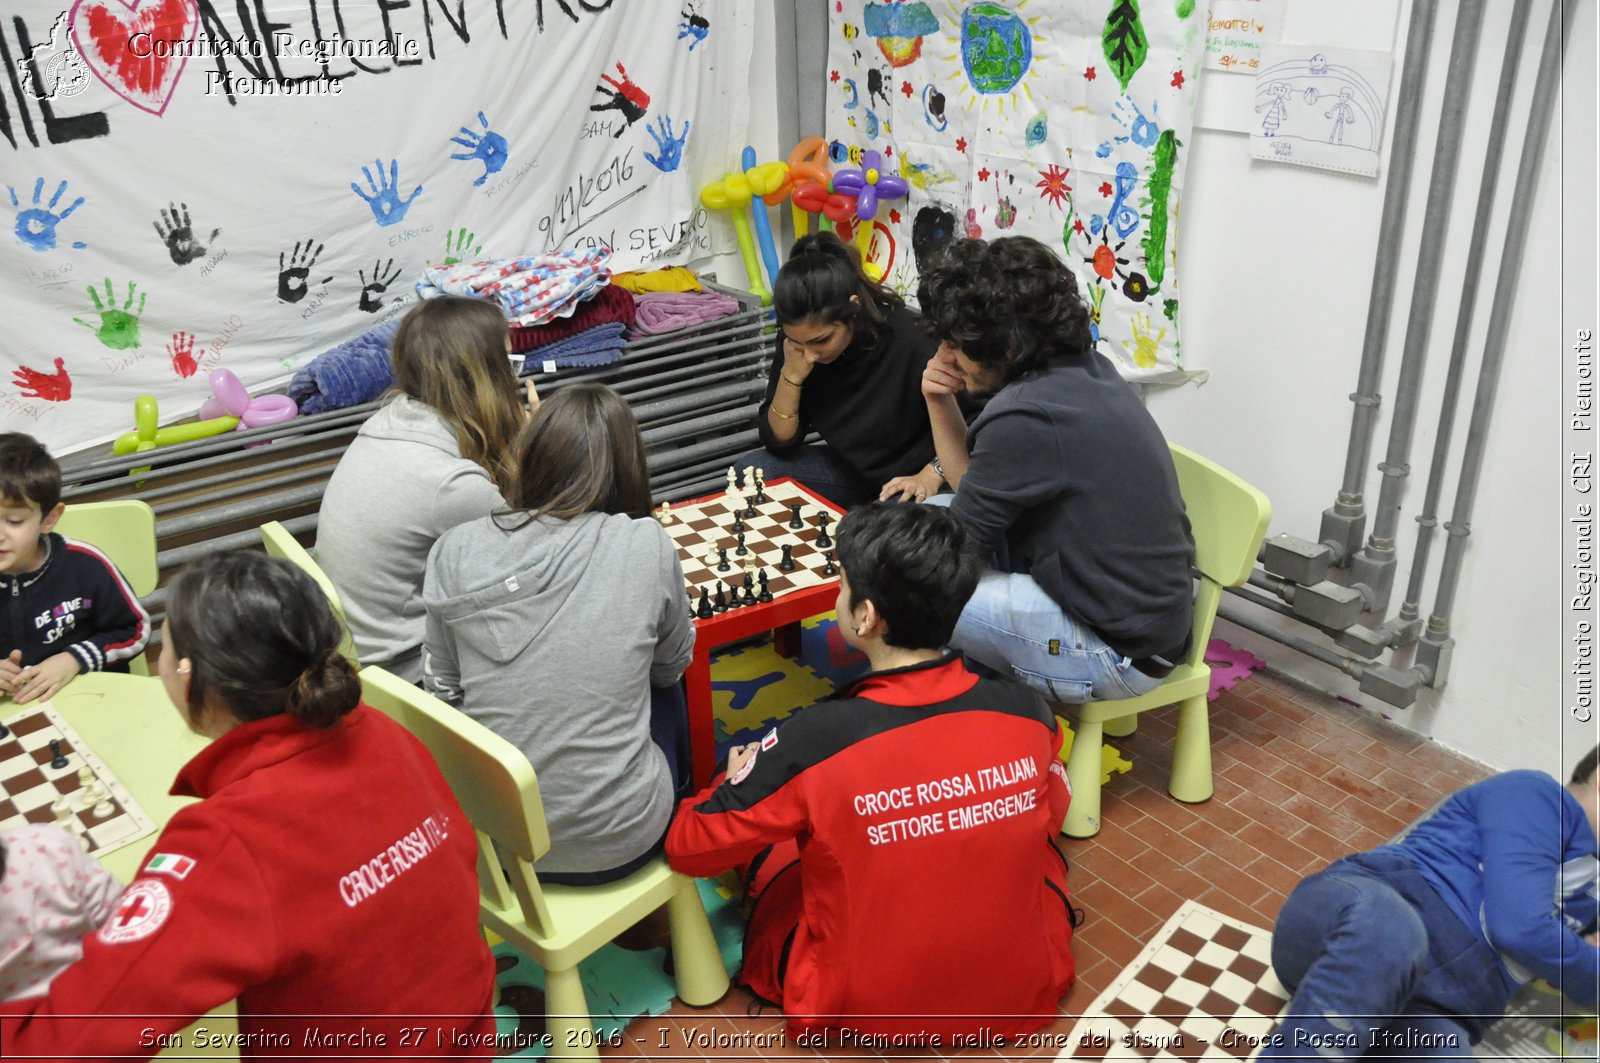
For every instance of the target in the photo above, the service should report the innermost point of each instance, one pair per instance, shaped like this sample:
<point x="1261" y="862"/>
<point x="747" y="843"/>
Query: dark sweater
<point x="867" y="404"/>
<point x="1070" y="471"/>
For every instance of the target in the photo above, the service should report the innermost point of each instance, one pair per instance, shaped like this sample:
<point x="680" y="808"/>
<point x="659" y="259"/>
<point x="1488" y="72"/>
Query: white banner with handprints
<point x="190" y="184"/>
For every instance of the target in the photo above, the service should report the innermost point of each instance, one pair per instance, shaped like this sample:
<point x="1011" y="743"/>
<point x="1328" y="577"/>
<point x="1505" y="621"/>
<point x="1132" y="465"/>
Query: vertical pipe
<point x="1412" y="76"/>
<point x="1493" y="153"/>
<point x="1545" y="99"/>
<point x="1435" y="218"/>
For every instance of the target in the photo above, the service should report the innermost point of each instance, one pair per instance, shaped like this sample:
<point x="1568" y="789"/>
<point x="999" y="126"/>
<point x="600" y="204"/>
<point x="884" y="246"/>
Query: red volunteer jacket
<point x="324" y="873"/>
<point x="923" y="800"/>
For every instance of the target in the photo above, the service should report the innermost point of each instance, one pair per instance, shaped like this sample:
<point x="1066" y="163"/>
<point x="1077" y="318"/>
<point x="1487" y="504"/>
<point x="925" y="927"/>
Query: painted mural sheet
<point x="194" y="184"/>
<point x="1321" y="107"/>
<point x="1063" y="120"/>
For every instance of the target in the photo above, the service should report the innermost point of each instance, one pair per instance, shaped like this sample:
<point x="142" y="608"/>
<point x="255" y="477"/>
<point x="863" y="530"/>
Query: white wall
<point x="1276" y="270"/>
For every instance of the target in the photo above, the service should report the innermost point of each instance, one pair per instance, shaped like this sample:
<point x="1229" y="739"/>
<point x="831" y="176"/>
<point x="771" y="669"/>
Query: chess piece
<point x="741" y="550"/>
<point x="738" y="524"/>
<point x="703" y="610"/>
<point x="747" y="596"/>
<point x="787" y="563"/>
<point x="664" y="514"/>
<point x="58" y="759"/>
<point x="765" y="595"/>
<point x="749" y="476"/>
<point x="74" y="828"/>
<point x="86" y="777"/>
<point x="104" y="809"/>
<point x="61" y="809"/>
<point x="722" y="560"/>
<point x="733" y="492"/>
<point x="741" y="477"/>
<point x="761" y="487"/>
<point x="822" y="522"/>
<point x="750" y="510"/>
<point x="719" y="604"/>
<point x="830" y="569"/>
<point x="749" y="563"/>
<point x="794" y="517"/>
<point x="5" y="732"/>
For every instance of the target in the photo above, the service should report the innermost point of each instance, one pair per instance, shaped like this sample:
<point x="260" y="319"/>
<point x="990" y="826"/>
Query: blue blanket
<point x="354" y="372"/>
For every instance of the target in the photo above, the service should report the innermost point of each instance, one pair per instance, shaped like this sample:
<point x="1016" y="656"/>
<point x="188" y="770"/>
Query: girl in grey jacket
<point x="551" y="623"/>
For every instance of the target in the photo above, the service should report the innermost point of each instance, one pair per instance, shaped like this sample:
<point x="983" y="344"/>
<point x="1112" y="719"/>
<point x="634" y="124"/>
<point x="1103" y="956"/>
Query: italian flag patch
<point x="170" y="864"/>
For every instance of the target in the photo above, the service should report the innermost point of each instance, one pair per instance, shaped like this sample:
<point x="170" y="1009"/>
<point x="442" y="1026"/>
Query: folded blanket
<point x="665" y="311"/>
<point x="532" y="289"/>
<point x="610" y="304"/>
<point x="665" y="279"/>
<point x="601" y="345"/>
<point x="354" y="372"/>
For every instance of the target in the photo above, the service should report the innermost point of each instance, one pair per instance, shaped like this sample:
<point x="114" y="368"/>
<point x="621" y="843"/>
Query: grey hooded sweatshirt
<point x="400" y="485"/>
<point x="551" y="634"/>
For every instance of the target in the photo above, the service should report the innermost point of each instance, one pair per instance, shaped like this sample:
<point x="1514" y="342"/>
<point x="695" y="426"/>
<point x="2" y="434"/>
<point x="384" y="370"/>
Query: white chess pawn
<point x="85" y="776"/>
<point x="666" y="513"/>
<point x="61" y="809"/>
<point x="104" y="808"/>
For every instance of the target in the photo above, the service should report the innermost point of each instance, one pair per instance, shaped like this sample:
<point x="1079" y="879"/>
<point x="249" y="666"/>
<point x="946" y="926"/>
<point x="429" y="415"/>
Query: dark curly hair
<point x="818" y="280"/>
<point x="1008" y="304"/>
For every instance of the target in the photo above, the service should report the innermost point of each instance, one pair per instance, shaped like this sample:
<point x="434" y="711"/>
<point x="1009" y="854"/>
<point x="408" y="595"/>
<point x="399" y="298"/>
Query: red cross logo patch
<point x="143" y="909"/>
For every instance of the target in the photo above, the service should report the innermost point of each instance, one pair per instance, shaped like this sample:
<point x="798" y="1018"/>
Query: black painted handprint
<point x="372" y="291"/>
<point x="177" y="231"/>
<point x="624" y="97"/>
<point x="292" y="275"/>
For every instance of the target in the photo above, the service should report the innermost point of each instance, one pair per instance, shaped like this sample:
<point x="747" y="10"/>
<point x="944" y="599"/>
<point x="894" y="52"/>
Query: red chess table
<point x="698" y="528"/>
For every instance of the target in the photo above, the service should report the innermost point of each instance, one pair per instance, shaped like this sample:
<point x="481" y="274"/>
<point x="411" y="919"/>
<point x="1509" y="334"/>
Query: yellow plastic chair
<point x="1229" y="519"/>
<point x="558" y="926"/>
<point x="123" y="529"/>
<point x="280" y="542"/>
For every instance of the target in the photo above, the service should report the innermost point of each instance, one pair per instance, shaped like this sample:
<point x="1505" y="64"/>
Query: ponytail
<point x="325" y="691"/>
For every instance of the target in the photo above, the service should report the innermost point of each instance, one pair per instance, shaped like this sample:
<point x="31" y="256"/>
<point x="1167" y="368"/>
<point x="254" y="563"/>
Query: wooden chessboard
<point x="699" y="528"/>
<point x="29" y="785"/>
<point x="1203" y="988"/>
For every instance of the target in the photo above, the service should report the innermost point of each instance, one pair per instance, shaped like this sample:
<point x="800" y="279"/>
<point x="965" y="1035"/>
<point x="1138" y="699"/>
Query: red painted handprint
<point x="624" y="96"/>
<point x="34" y="384"/>
<point x="181" y="348"/>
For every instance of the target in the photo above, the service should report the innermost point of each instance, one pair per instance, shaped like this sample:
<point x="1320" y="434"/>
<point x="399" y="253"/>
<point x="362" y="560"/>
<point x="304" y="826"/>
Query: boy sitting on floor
<point x="71" y="610"/>
<point x="898" y="837"/>
<point x="1413" y="949"/>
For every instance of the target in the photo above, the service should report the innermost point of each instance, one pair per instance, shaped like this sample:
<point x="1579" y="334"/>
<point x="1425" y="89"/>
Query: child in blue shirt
<point x="64" y="607"/>
<point x="1413" y="949"/>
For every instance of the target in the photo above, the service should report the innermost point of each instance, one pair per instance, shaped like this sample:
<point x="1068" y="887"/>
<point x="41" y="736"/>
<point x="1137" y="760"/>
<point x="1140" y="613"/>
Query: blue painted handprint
<point x="36" y="225"/>
<point x="670" y="147"/>
<point x="488" y="147"/>
<point x="387" y="206"/>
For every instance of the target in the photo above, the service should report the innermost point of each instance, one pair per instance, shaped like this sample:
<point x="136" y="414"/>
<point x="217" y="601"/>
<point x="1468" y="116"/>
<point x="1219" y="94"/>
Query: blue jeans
<point x="1013" y="627"/>
<point x="1379" y="963"/>
<point x="817" y="467"/>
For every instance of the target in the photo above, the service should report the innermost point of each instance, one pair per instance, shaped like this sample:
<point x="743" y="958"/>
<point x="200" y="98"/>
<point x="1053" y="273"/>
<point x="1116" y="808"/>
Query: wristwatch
<point x="940" y="470"/>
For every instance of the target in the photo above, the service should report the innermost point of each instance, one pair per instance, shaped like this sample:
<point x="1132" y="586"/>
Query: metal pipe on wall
<point x="1546" y="98"/>
<point x="1493" y="154"/>
<point x="1343" y="523"/>
<point x="1373" y="568"/>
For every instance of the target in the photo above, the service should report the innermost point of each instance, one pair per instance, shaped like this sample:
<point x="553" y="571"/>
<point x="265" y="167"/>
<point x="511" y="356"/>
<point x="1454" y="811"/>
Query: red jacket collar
<point x="252" y="746"/>
<point x="916" y="684"/>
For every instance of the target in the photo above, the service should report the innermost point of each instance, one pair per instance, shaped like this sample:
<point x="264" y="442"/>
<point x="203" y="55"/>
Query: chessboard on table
<point x="700" y="527"/>
<point x="1203" y="988"/>
<point x="29" y="785"/>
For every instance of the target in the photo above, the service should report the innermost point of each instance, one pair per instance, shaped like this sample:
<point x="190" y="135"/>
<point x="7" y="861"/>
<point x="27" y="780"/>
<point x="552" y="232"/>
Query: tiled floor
<point x="1300" y="779"/>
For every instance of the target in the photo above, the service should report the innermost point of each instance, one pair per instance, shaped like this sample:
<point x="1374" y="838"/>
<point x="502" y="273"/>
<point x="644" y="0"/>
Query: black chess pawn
<point x="738" y="478"/>
<point x="830" y="569"/>
<point x="822" y="540"/>
<point x="761" y="489"/>
<point x="765" y="595"/>
<point x="5" y="732"/>
<point x="703" y="610"/>
<point x="58" y="759"/>
<point x="741" y="550"/>
<point x="747" y="595"/>
<point x="794" y="517"/>
<point x="722" y="559"/>
<point x="786" y="563"/>
<point x="719" y="604"/>
<point x="750" y="510"/>
<point x="738" y="523"/>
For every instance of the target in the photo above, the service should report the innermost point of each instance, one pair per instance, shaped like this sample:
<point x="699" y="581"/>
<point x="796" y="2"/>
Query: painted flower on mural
<point x="1177" y="79"/>
<point x="1105" y="188"/>
<point x="961" y="145"/>
<point x="1053" y="184"/>
<point x="906" y="89"/>
<point x="1088" y="73"/>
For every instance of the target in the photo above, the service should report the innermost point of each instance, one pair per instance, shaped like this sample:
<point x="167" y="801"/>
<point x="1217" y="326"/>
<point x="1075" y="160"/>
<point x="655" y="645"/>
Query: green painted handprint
<point x="118" y="329"/>
<point x="460" y="245"/>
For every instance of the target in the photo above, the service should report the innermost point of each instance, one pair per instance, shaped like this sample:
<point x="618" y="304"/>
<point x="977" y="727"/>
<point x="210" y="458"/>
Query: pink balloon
<point x="229" y="392"/>
<point x="268" y="409"/>
<point x="213" y="407"/>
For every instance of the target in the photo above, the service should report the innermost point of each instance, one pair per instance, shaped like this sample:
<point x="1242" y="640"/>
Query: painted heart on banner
<point x="130" y="45"/>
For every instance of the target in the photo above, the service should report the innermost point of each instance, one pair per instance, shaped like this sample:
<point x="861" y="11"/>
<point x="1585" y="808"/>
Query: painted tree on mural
<point x="1064" y="120"/>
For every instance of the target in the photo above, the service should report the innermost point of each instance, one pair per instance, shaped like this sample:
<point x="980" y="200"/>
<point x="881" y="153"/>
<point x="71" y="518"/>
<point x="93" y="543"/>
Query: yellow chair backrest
<point x="491" y="779"/>
<point x="1228" y="518"/>
<point x="124" y="530"/>
<point x="280" y="542"/>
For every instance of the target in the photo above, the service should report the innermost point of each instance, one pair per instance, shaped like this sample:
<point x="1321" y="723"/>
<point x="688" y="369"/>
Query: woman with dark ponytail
<point x="326" y="879"/>
<point x="848" y="366"/>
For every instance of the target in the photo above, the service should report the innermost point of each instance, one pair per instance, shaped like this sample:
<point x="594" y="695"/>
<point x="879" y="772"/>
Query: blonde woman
<point x="436" y="454"/>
